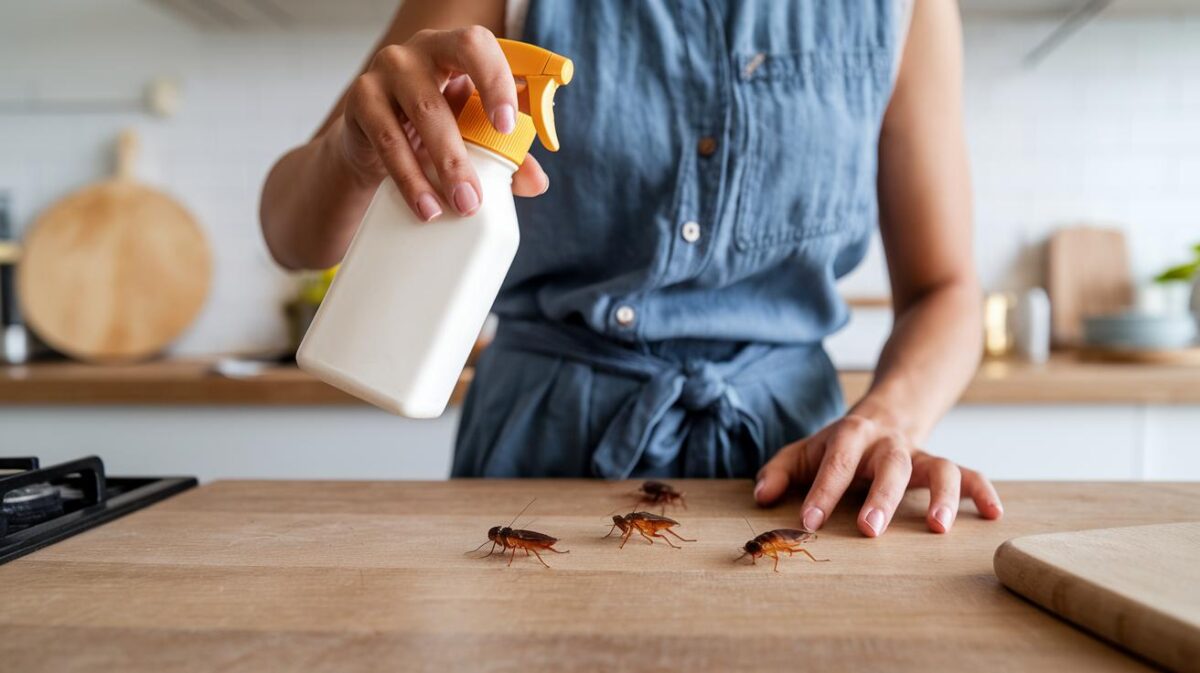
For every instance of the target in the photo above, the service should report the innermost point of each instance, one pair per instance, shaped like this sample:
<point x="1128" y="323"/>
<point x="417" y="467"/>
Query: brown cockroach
<point x="649" y="525"/>
<point x="507" y="537"/>
<point x="772" y="542"/>
<point x="657" y="493"/>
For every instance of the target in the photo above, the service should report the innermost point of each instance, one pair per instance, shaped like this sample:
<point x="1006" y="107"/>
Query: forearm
<point x="312" y="203"/>
<point x="928" y="360"/>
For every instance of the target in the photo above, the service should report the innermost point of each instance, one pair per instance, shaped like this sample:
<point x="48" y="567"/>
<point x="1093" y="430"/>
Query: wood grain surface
<point x="1138" y="586"/>
<point x="371" y="576"/>
<point x="115" y="271"/>
<point x="1087" y="274"/>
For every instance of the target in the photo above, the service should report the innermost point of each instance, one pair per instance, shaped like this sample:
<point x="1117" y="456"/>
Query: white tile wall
<point x="246" y="99"/>
<point x="1106" y="129"/>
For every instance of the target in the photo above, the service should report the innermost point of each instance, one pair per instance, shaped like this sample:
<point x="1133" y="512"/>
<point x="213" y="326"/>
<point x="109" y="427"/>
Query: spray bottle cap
<point x="543" y="72"/>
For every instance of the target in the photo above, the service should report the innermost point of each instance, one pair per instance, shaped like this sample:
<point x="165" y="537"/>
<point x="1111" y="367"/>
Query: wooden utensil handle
<point x="127" y="149"/>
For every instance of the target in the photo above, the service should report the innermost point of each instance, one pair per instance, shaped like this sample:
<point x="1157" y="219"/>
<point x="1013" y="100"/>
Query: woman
<point x="723" y="163"/>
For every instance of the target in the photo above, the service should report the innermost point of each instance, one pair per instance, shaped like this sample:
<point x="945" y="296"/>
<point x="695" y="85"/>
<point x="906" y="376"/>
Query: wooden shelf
<point x="1064" y="380"/>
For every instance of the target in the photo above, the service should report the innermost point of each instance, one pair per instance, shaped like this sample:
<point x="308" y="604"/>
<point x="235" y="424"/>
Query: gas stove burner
<point x="31" y="505"/>
<point x="42" y="505"/>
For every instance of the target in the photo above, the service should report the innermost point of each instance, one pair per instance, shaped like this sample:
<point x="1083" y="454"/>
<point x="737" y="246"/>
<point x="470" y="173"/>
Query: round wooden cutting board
<point x="115" y="271"/>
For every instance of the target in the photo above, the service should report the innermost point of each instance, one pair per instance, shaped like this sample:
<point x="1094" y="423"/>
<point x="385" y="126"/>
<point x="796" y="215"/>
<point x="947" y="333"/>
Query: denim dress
<point x="665" y="313"/>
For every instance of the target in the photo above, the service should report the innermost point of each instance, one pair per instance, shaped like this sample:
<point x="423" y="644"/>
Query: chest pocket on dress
<point x="810" y="130"/>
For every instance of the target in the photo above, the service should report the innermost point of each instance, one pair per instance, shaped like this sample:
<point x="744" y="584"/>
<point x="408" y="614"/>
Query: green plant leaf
<point x="1181" y="272"/>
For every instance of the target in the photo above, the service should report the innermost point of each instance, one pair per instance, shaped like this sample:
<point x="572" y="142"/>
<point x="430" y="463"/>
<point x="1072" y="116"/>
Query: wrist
<point x="890" y="416"/>
<point x="349" y="171"/>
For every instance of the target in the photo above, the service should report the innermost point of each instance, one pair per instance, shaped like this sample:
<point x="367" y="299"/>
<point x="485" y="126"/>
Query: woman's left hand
<point x="857" y="448"/>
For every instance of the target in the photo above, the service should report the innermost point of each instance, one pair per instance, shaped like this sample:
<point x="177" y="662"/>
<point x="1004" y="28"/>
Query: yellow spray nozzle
<point x="543" y="71"/>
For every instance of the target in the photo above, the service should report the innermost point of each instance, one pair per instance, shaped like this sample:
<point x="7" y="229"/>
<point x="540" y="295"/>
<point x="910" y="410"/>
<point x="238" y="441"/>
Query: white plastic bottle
<point x="410" y="297"/>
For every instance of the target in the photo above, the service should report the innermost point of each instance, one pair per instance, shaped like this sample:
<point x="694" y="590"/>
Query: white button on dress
<point x="625" y="316"/>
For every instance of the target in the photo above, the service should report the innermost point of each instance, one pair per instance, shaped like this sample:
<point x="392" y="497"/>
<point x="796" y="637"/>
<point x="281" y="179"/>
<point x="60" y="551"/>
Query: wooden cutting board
<point x="1087" y="273"/>
<point x="1138" y="586"/>
<point x="115" y="271"/>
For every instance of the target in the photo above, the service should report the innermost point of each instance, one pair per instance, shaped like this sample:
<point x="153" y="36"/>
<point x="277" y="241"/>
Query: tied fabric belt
<point x="693" y="409"/>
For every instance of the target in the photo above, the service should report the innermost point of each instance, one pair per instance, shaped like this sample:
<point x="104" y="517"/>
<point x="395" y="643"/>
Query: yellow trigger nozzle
<point x="543" y="72"/>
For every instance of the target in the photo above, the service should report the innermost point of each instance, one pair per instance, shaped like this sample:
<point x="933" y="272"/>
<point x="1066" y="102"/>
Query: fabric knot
<point x="703" y="386"/>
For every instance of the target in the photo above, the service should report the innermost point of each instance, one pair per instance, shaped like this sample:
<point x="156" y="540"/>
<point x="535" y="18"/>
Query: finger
<point x="892" y="467"/>
<point x="370" y="115"/>
<point x="475" y="51"/>
<point x="430" y="115"/>
<point x="457" y="90"/>
<point x="778" y="473"/>
<point x="418" y="91"/>
<point x="980" y="489"/>
<point x="843" y="451"/>
<point x="530" y="179"/>
<point x="945" y="481"/>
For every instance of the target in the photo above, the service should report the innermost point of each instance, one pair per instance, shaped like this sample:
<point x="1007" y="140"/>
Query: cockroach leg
<point x="668" y="541"/>
<point x="558" y="551"/>
<point x="808" y="554"/>
<point x="514" y="556"/>
<point x="679" y="536"/>
<point x="648" y="538"/>
<point x="625" y="538"/>
<point x="775" y="556"/>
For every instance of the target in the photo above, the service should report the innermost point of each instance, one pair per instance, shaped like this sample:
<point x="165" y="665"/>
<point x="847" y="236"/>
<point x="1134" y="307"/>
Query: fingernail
<point x="465" y="198"/>
<point x="427" y="207"/>
<point x="813" y="519"/>
<point x="504" y="118"/>
<point x="758" y="488"/>
<point x="875" y="521"/>
<point x="942" y="515"/>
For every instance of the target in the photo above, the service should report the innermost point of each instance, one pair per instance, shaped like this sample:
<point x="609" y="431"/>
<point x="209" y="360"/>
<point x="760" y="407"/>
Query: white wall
<point x="246" y="99"/>
<point x="1106" y="129"/>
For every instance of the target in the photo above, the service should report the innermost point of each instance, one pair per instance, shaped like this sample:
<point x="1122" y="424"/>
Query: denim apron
<point x="666" y="308"/>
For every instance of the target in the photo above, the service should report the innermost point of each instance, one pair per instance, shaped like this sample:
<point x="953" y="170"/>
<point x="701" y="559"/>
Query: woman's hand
<point x="400" y="118"/>
<point x="858" y="448"/>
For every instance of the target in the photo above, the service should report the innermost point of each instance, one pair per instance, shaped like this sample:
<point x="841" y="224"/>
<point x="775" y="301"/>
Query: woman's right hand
<point x="400" y="118"/>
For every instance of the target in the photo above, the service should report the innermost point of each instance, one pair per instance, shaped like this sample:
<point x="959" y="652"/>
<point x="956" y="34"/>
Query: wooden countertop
<point x="371" y="576"/>
<point x="1064" y="380"/>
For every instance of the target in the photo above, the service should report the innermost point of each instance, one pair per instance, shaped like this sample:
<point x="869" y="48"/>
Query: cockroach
<point x="649" y="525"/>
<point x="772" y="542"/>
<point x="658" y="493"/>
<point x="507" y="537"/>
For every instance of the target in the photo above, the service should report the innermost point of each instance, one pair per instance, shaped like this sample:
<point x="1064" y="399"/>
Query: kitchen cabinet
<point x="1065" y="420"/>
<point x="371" y="576"/>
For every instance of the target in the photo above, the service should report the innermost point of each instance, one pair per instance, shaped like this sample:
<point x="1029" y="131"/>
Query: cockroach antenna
<point x="518" y="516"/>
<point x="752" y="533"/>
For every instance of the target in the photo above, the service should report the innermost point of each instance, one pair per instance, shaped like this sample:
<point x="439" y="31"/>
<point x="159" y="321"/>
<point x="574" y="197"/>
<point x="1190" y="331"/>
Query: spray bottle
<point x="410" y="297"/>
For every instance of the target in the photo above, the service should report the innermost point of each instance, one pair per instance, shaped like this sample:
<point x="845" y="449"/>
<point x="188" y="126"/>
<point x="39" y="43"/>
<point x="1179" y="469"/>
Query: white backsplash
<point x="1107" y="129"/>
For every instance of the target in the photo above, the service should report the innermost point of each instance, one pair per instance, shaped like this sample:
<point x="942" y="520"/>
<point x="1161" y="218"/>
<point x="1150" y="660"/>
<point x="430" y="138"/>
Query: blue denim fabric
<point x="629" y="346"/>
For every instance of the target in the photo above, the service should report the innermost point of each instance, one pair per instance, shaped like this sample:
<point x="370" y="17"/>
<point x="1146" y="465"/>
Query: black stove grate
<point x="40" y="506"/>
